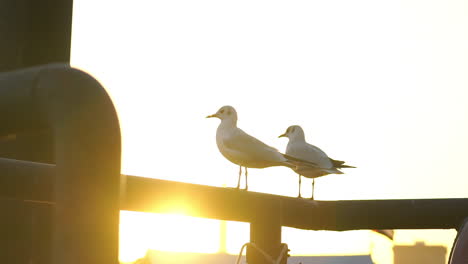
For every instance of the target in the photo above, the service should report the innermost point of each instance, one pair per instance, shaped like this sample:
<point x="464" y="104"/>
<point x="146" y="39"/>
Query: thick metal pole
<point x="87" y="153"/>
<point x="87" y="148"/>
<point x="34" y="33"/>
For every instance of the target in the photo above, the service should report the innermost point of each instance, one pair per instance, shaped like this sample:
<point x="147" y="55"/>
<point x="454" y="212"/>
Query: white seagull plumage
<point x="298" y="148"/>
<point x="244" y="150"/>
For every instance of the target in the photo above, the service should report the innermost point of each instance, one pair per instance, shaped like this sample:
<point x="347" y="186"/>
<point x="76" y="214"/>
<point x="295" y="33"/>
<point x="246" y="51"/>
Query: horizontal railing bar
<point x="152" y="195"/>
<point x="33" y="181"/>
<point x="25" y="180"/>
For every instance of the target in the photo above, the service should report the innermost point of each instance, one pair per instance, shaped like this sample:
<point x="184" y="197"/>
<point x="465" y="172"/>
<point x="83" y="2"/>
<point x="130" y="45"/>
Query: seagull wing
<point x="252" y="151"/>
<point x="308" y="152"/>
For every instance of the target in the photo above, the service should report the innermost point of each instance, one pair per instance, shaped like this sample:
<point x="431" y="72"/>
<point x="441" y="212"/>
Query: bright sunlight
<point x="166" y="232"/>
<point x="380" y="84"/>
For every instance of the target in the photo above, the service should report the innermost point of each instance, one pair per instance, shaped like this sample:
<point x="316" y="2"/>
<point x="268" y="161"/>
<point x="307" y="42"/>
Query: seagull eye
<point x="292" y="130"/>
<point x="222" y="111"/>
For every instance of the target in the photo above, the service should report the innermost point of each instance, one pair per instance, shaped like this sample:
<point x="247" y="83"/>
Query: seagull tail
<point x="345" y="166"/>
<point x="331" y="171"/>
<point x="340" y="164"/>
<point x="335" y="171"/>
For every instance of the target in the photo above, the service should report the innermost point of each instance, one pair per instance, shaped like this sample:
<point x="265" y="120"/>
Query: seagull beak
<point x="213" y="115"/>
<point x="282" y="135"/>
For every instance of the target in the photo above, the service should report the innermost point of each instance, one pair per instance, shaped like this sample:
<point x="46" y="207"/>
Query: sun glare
<point x="166" y="232"/>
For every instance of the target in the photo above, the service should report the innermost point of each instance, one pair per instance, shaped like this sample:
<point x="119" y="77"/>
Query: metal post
<point x="265" y="233"/>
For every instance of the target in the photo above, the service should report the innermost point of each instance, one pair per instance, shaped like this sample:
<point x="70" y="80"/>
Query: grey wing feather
<point x="300" y="161"/>
<point x="248" y="145"/>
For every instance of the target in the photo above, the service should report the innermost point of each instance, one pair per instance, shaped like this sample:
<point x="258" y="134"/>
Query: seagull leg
<point x="299" y="196"/>
<point x="313" y="188"/>
<point x="238" y="179"/>
<point x="246" y="184"/>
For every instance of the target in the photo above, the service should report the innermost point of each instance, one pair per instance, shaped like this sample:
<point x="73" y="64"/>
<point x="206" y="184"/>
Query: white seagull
<point x="298" y="148"/>
<point x="246" y="151"/>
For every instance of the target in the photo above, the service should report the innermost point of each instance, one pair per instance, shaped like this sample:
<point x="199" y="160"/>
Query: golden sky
<point x="379" y="84"/>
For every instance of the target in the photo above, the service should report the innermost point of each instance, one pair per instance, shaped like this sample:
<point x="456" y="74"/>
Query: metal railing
<point x="265" y="212"/>
<point x="83" y="188"/>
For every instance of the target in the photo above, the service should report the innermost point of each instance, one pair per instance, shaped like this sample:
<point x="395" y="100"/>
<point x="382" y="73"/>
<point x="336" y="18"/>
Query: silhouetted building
<point x="419" y="253"/>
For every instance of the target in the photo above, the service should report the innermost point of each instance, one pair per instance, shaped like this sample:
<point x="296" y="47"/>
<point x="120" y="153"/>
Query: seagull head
<point x="227" y="113"/>
<point x="294" y="133"/>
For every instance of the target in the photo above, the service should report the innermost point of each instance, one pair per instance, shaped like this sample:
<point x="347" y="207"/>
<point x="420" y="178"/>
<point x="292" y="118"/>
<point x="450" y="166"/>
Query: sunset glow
<point x="167" y="232"/>
<point x="379" y="84"/>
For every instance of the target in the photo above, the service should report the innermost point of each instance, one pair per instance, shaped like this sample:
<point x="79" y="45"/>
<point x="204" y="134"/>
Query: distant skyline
<point x="162" y="257"/>
<point x="419" y="253"/>
<point x="379" y="84"/>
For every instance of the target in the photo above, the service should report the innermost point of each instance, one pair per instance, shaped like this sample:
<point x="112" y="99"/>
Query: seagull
<point x="246" y="151"/>
<point x="298" y="148"/>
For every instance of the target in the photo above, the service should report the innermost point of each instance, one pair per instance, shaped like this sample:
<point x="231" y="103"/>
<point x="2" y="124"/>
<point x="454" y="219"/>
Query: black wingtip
<point x="346" y="166"/>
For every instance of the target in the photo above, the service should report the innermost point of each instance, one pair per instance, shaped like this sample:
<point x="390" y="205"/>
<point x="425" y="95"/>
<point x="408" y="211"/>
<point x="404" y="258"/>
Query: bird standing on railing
<point x="298" y="148"/>
<point x="246" y="151"/>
